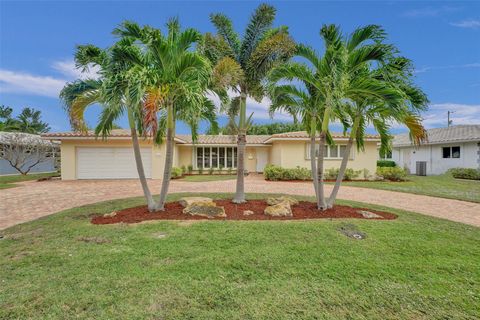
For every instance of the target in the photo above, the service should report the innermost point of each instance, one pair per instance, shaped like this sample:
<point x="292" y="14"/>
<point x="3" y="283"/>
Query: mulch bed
<point x="303" y="210"/>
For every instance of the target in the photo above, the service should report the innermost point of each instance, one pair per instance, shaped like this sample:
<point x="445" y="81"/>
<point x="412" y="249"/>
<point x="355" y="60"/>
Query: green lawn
<point x="444" y="186"/>
<point x="9" y="181"/>
<point x="209" y="177"/>
<point x="415" y="267"/>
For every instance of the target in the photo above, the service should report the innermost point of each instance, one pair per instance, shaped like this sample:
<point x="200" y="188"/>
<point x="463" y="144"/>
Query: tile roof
<point x="222" y="139"/>
<point x="443" y="135"/>
<point x="79" y="134"/>
<point x="304" y="135"/>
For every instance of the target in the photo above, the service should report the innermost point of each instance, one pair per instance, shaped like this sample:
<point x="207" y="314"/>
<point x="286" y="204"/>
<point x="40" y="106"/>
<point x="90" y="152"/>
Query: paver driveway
<point x="34" y="199"/>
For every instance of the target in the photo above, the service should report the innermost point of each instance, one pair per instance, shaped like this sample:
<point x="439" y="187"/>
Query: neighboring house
<point x="86" y="157"/>
<point x="50" y="164"/>
<point x="452" y="147"/>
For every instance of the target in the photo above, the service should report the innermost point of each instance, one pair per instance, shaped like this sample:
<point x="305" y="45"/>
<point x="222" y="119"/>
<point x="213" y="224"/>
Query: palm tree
<point x="381" y="113"/>
<point x="113" y="91"/>
<point x="248" y="61"/>
<point x="177" y="80"/>
<point x="334" y="79"/>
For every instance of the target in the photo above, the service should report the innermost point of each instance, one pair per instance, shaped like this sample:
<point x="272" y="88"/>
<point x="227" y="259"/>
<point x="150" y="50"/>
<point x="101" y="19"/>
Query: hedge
<point x="392" y="174"/>
<point x="465" y="173"/>
<point x="276" y="173"/>
<point x="177" y="173"/>
<point x="386" y="163"/>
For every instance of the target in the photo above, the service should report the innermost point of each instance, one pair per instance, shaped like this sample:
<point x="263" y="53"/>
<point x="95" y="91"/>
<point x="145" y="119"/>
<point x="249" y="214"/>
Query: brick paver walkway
<point x="36" y="199"/>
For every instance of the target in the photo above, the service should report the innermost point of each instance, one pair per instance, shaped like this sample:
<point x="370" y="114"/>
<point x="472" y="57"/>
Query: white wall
<point x="408" y="156"/>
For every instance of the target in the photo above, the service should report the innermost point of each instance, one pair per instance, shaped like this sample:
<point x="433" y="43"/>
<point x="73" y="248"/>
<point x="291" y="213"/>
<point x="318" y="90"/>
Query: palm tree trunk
<point x="167" y="170"/>
<point x="341" y="173"/>
<point x="321" y="204"/>
<point x="241" y="142"/>
<point x="313" y="164"/>
<point x="139" y="163"/>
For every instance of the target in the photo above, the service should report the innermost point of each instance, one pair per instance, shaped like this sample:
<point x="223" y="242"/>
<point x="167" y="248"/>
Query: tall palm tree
<point x="248" y="61"/>
<point x="177" y="80"/>
<point x="381" y="113"/>
<point x="113" y="90"/>
<point x="334" y="79"/>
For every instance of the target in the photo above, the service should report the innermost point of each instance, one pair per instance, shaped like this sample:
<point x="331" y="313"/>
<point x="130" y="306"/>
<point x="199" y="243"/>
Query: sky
<point x="38" y="39"/>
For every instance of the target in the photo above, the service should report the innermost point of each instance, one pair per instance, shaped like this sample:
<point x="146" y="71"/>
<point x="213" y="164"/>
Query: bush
<point x="350" y="174"/>
<point x="177" y="173"/>
<point x="465" y="173"/>
<point x="276" y="173"/>
<point x="184" y="169"/>
<point x="190" y="169"/>
<point x="386" y="163"/>
<point x="392" y="174"/>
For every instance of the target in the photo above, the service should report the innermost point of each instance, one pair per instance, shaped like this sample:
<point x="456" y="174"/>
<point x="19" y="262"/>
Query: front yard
<point x="10" y="180"/>
<point x="63" y="267"/>
<point x="444" y="186"/>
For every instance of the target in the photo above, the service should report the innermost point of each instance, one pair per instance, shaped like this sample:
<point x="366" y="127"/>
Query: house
<point x="86" y="157"/>
<point x="27" y="152"/>
<point x="452" y="147"/>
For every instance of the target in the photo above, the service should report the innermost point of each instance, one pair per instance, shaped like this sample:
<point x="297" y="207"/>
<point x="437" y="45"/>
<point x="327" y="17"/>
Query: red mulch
<point x="304" y="210"/>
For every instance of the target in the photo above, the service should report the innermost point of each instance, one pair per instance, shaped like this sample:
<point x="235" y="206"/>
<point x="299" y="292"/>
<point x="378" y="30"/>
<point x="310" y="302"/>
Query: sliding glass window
<point x="216" y="157"/>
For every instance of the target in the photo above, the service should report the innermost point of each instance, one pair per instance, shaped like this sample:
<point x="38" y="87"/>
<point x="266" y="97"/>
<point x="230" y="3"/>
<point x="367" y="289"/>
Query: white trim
<point x="308" y="139"/>
<point x="101" y="139"/>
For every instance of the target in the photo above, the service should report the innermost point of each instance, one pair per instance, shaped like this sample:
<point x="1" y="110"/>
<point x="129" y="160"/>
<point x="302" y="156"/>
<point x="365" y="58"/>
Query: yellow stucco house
<point x="83" y="156"/>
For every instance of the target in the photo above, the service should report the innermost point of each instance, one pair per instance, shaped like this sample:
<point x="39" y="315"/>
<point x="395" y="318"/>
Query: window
<point x="451" y="152"/>
<point x="386" y="155"/>
<point x="330" y="152"/>
<point x="216" y="157"/>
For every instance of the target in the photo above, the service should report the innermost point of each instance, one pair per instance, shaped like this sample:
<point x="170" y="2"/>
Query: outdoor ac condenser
<point x="421" y="168"/>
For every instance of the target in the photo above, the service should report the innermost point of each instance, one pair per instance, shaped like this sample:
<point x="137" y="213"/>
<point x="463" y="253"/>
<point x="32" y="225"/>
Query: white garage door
<point x="111" y="163"/>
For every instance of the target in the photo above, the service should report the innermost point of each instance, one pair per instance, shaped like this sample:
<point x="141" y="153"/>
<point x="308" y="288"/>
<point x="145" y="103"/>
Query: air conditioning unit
<point x="421" y="168"/>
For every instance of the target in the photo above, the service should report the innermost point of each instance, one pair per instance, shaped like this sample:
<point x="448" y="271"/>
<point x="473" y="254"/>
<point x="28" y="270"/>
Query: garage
<point x="111" y="163"/>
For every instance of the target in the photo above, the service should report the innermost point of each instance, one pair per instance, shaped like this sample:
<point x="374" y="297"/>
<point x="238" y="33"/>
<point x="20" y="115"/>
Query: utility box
<point x="421" y="168"/>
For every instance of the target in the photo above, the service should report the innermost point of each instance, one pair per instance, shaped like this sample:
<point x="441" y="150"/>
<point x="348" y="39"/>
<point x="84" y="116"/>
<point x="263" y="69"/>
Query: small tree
<point x="25" y="151"/>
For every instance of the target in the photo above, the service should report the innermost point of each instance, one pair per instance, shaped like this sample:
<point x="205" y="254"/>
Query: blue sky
<point x="38" y="40"/>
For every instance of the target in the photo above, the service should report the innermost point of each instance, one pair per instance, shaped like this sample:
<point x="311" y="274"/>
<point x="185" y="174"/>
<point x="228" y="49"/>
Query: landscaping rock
<point x="351" y="231"/>
<point x="188" y="201"/>
<point x="110" y="215"/>
<point x="274" y="201"/>
<point x="248" y="212"/>
<point x="281" y="209"/>
<point x="205" y="210"/>
<point x="368" y="214"/>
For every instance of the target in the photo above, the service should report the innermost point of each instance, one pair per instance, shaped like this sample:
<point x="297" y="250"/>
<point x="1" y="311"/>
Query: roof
<point x="222" y="139"/>
<point x="302" y="135"/>
<point x="202" y="138"/>
<point x="460" y="133"/>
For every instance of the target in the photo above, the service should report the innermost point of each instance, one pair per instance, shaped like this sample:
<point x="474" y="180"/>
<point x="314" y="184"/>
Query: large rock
<point x="205" y="209"/>
<point x="369" y="215"/>
<point x="188" y="201"/>
<point x="281" y="209"/>
<point x="274" y="201"/>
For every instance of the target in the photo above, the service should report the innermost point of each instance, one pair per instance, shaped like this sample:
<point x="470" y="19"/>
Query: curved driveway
<point x="34" y="199"/>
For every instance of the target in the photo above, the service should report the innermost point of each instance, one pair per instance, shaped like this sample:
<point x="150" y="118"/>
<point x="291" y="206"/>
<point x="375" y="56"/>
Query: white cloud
<point x="21" y="82"/>
<point x="27" y="83"/>
<point x="468" y="23"/>
<point x="430" y="11"/>
<point x="259" y="109"/>
<point x="69" y="70"/>
<point x="467" y="65"/>
<point x="436" y="116"/>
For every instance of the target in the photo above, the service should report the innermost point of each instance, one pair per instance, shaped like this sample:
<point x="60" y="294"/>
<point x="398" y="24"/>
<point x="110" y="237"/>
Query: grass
<point x="443" y="186"/>
<point x="9" y="181"/>
<point x="209" y="177"/>
<point x="62" y="267"/>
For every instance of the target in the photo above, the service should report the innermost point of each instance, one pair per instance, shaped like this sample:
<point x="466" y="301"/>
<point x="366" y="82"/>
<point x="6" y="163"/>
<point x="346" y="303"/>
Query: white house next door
<point x="111" y="163"/>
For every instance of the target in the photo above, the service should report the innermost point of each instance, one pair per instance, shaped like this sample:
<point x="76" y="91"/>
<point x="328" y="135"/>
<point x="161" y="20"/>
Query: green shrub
<point x="276" y="173"/>
<point x="350" y="174"/>
<point x="386" y="163"/>
<point x="177" y="173"/>
<point x="184" y="169"/>
<point x="190" y="169"/>
<point x="392" y="174"/>
<point x="210" y="171"/>
<point x="465" y="173"/>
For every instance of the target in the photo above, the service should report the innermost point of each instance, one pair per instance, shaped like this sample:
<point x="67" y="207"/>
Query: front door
<point x="262" y="159"/>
